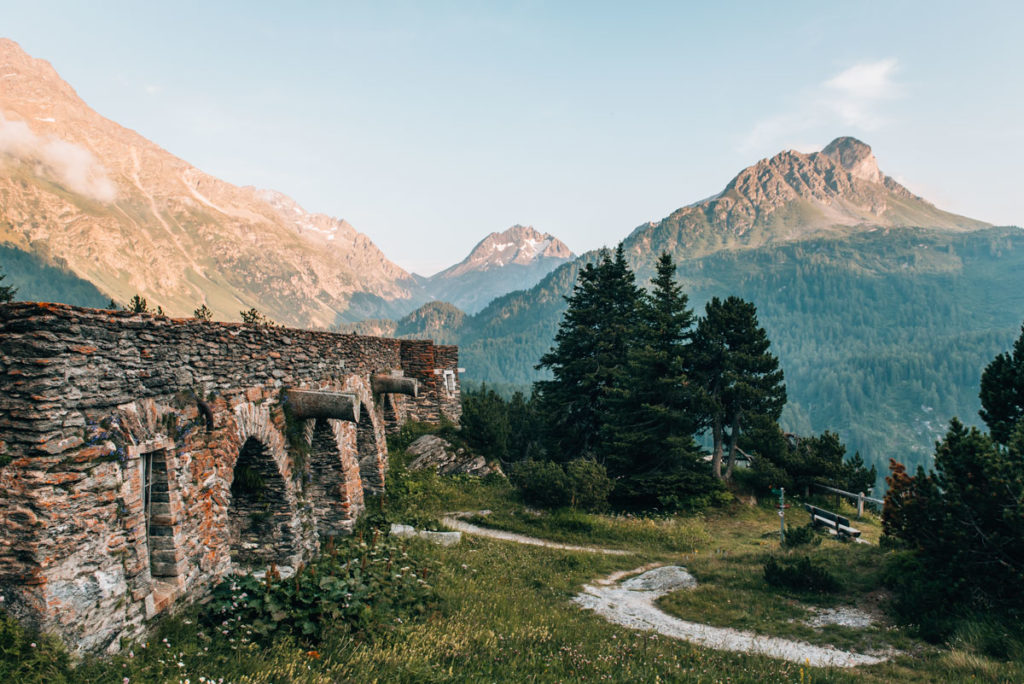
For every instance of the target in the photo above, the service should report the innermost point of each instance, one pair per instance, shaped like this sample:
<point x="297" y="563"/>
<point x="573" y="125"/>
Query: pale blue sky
<point x="429" y="125"/>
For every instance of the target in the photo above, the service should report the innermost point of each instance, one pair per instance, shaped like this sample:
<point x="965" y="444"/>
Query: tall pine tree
<point x="651" y="419"/>
<point x="590" y="348"/>
<point x="1002" y="392"/>
<point x="738" y="376"/>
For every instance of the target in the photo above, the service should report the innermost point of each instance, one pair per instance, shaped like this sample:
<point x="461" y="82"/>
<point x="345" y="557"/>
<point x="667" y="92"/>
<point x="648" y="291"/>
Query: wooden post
<point x="860" y="504"/>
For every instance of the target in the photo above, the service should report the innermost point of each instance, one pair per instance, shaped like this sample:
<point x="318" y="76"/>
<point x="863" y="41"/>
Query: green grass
<point x="646" y="535"/>
<point x="505" y="611"/>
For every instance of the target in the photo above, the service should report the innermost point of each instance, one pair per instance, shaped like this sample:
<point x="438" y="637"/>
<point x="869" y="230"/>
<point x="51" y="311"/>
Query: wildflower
<point x="33" y="644"/>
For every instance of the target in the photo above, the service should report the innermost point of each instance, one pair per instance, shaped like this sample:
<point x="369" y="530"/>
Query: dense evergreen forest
<point x="882" y="335"/>
<point x="38" y="281"/>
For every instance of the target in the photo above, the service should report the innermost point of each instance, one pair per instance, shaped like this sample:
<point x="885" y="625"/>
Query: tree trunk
<point x="733" y="445"/>
<point x="716" y="453"/>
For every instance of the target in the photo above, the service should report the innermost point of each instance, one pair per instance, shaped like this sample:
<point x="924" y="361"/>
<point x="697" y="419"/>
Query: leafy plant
<point x="802" y="536"/>
<point x="357" y="584"/>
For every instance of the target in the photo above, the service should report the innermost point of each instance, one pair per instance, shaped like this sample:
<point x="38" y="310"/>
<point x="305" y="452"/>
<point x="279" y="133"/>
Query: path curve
<point x="633" y="604"/>
<point x="636" y="608"/>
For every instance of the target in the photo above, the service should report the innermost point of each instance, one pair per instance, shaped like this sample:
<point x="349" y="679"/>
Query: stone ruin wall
<point x="96" y="404"/>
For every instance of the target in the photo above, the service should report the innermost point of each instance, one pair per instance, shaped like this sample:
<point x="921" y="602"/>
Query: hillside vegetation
<point x="882" y="334"/>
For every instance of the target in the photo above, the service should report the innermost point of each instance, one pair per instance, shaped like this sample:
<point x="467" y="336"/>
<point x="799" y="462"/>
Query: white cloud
<point x="71" y="165"/>
<point x="850" y="99"/>
<point x="853" y="94"/>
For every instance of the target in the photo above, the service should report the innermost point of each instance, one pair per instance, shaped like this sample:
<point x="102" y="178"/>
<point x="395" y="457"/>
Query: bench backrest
<point x="827" y="515"/>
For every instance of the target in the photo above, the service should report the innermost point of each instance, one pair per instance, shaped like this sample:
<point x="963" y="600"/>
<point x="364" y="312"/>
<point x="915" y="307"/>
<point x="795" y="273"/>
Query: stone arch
<point x="370" y="437"/>
<point x="335" y="488"/>
<point x="263" y="519"/>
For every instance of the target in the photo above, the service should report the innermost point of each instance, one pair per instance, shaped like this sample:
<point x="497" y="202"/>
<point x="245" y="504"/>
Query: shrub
<point x="581" y="483"/>
<point x="541" y="483"/>
<point x="356" y="585"/>
<point x="801" y="536"/>
<point x="588" y="483"/>
<point x="800" y="574"/>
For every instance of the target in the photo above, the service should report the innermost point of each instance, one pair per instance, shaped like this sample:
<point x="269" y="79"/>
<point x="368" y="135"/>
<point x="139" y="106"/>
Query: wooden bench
<point x="834" y="523"/>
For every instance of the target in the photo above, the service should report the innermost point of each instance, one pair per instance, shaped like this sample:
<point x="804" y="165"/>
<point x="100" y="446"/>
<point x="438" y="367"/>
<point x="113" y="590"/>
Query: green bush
<point x="581" y="483"/>
<point x="541" y="483"/>
<point x="800" y="574"/>
<point x="801" y="536"/>
<point x="357" y="585"/>
<point x="589" y="485"/>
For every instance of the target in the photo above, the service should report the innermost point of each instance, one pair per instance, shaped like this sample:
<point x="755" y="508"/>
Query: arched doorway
<point x="334" y="488"/>
<point x="260" y="521"/>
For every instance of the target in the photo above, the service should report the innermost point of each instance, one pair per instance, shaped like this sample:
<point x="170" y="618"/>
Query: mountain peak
<point x="514" y="259"/>
<point x="515" y="245"/>
<point x="795" y="195"/>
<point x="854" y="156"/>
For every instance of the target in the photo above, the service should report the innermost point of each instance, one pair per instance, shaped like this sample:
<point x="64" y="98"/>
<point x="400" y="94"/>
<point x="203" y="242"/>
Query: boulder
<point x="431" y="451"/>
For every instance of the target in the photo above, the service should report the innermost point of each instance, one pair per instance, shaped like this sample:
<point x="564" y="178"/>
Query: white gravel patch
<point x="844" y="617"/>
<point x="631" y="604"/>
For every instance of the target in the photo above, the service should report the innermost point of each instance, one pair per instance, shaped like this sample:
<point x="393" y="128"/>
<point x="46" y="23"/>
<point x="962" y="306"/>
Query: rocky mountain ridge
<point x="130" y="217"/>
<point x="796" y="196"/>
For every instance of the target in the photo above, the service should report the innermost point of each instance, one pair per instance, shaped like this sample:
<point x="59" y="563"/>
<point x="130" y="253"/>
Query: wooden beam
<point x="306" y="404"/>
<point x="389" y="384"/>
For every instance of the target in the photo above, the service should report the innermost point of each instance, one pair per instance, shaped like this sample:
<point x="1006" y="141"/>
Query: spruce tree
<point x="1002" y="392"/>
<point x="7" y="292"/>
<point x="590" y="348"/>
<point x="738" y="376"/>
<point x="649" y="432"/>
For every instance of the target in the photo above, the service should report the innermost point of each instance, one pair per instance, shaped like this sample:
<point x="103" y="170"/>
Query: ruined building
<point x="143" y="458"/>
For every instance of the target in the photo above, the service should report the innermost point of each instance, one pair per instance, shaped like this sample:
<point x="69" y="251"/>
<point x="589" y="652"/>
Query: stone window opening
<point x="163" y="551"/>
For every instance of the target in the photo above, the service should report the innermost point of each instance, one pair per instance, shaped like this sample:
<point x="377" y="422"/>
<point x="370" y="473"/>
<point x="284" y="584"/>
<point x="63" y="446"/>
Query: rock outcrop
<point x="434" y="452"/>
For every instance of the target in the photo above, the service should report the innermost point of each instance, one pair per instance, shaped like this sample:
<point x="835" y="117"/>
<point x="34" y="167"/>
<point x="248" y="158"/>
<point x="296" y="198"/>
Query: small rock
<point x="442" y="538"/>
<point x="662" y="580"/>
<point x="402" y="530"/>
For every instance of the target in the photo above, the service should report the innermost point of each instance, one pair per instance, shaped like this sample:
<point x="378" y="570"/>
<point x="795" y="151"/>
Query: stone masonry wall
<point x="119" y="439"/>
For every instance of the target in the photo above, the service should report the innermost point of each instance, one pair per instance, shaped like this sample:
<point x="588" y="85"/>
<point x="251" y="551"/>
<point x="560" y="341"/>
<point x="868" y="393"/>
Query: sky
<point x="428" y="125"/>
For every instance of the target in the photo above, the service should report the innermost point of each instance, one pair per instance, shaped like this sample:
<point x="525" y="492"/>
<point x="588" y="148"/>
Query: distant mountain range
<point x="103" y="204"/>
<point x="882" y="308"/>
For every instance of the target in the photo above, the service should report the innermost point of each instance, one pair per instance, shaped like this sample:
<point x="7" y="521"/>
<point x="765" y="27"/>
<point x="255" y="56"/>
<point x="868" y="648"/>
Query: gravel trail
<point x="453" y="522"/>
<point x="632" y="603"/>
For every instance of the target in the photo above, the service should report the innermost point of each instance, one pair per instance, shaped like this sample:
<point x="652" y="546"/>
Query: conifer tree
<point x="203" y="313"/>
<point x="588" y="357"/>
<point x="1002" y="392"/>
<point x="738" y="376"/>
<point x="7" y="292"/>
<point x="651" y="421"/>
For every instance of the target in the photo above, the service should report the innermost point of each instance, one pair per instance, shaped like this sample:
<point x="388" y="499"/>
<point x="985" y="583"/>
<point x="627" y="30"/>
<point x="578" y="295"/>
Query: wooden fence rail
<point x="859" y="497"/>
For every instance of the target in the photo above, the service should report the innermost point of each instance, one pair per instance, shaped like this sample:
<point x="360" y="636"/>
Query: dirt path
<point x="452" y="521"/>
<point x="632" y="603"/>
